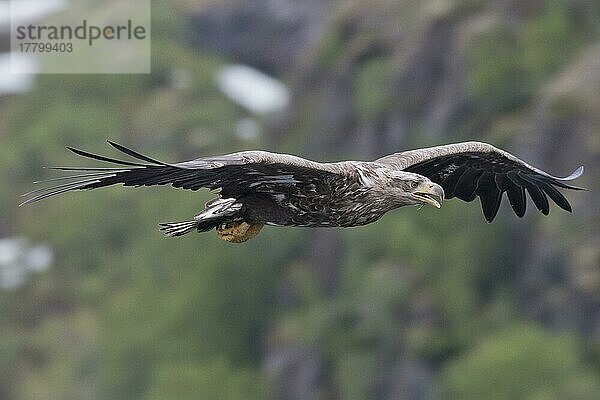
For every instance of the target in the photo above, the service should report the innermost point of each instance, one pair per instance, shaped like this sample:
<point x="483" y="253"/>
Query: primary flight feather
<point x="259" y="188"/>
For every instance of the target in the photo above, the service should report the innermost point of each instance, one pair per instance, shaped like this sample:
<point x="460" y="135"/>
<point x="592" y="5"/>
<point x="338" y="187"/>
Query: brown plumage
<point x="259" y="188"/>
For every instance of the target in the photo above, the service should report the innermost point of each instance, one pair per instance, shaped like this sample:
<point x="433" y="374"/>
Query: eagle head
<point x="408" y="189"/>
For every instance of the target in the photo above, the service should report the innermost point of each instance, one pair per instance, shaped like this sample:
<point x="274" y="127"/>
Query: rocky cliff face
<point x="271" y="35"/>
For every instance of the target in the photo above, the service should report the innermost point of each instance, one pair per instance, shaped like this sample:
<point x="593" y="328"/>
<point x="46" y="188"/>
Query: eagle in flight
<point x="257" y="188"/>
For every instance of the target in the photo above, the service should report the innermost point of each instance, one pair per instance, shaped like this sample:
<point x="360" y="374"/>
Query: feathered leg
<point x="238" y="232"/>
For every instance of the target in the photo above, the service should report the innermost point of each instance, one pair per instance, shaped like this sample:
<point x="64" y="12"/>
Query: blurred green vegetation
<point x="522" y="362"/>
<point x="508" y="65"/>
<point x="125" y="313"/>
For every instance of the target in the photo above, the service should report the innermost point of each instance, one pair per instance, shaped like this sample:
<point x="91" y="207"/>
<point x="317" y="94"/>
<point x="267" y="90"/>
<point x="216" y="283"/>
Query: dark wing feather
<point x="233" y="174"/>
<point x="451" y="181"/>
<point x="489" y="194"/>
<point x="516" y="194"/>
<point x="471" y="169"/>
<point x="467" y="184"/>
<point x="554" y="194"/>
<point x="536" y="194"/>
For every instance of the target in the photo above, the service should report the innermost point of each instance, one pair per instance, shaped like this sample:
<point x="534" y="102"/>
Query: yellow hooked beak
<point x="427" y="193"/>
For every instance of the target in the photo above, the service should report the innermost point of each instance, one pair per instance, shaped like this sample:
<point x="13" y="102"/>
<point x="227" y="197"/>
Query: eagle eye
<point x="414" y="184"/>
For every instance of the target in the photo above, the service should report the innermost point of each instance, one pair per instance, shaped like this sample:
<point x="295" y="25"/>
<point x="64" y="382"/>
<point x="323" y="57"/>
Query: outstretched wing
<point x="233" y="174"/>
<point x="471" y="169"/>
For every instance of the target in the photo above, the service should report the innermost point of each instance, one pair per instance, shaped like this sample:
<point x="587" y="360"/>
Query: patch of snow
<point x="19" y="258"/>
<point x="253" y="89"/>
<point x="16" y="83"/>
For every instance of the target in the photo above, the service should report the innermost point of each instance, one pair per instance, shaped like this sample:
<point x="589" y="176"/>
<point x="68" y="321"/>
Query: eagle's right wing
<point x="471" y="169"/>
<point x="233" y="174"/>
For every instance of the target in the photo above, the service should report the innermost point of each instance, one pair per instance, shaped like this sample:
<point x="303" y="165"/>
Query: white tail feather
<point x="216" y="212"/>
<point x="178" y="228"/>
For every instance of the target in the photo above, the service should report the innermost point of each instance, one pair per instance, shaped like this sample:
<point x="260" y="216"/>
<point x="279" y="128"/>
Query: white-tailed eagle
<point x="259" y="188"/>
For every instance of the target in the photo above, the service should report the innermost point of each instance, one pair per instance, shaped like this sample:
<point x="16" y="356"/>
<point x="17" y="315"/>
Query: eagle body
<point x="257" y="188"/>
<point x="341" y="200"/>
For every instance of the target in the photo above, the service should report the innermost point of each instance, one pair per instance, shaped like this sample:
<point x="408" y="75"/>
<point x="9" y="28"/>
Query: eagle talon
<point x="238" y="232"/>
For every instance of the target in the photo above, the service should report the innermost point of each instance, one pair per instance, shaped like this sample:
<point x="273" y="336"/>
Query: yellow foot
<point x="238" y="232"/>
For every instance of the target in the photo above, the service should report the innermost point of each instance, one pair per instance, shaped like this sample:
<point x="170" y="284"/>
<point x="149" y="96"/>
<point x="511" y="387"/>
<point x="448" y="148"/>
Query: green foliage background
<point x="425" y="304"/>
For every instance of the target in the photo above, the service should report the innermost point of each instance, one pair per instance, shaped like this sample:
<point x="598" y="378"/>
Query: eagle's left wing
<point x="470" y="169"/>
<point x="232" y="174"/>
